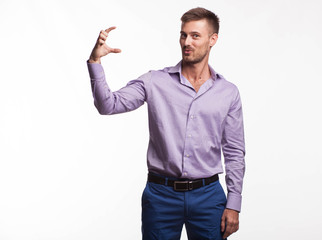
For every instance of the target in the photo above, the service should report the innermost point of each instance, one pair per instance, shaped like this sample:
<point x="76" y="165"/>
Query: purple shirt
<point x="188" y="129"/>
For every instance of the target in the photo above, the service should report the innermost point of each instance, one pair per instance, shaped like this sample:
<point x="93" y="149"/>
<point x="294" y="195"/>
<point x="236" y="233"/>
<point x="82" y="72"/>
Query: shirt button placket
<point x="188" y="145"/>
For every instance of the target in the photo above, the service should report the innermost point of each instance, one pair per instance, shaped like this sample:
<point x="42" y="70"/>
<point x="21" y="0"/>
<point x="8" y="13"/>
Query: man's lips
<point x="186" y="51"/>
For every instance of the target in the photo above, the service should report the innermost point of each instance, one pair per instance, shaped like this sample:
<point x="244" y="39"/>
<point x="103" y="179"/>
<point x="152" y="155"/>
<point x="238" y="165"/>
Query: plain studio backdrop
<point x="67" y="172"/>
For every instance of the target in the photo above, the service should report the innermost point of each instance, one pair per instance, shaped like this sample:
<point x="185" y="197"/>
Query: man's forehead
<point x="195" y="26"/>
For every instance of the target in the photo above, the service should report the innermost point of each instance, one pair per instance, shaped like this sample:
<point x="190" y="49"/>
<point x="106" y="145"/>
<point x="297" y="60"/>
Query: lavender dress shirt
<point x="188" y="129"/>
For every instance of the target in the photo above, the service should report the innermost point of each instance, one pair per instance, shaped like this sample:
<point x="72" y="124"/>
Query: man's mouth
<point x="187" y="51"/>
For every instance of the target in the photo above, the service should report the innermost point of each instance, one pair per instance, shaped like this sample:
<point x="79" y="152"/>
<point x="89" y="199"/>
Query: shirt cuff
<point x="96" y="71"/>
<point x="234" y="201"/>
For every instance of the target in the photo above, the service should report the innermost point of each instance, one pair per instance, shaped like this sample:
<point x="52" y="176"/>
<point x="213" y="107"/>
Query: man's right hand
<point x="101" y="49"/>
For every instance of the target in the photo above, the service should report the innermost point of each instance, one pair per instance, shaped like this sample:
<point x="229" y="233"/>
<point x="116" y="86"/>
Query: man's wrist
<point x="229" y="209"/>
<point x="94" y="60"/>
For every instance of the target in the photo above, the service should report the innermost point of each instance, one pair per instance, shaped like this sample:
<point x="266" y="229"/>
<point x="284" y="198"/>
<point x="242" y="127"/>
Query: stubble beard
<point x="199" y="58"/>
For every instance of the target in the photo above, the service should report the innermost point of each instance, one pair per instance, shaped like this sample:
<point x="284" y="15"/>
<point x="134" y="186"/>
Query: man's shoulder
<point x="168" y="69"/>
<point x="171" y="69"/>
<point x="154" y="74"/>
<point x="227" y="84"/>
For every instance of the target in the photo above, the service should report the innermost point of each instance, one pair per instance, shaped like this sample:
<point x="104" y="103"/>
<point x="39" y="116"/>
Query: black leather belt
<point x="182" y="185"/>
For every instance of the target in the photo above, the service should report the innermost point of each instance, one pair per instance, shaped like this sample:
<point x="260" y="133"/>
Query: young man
<point x="194" y="113"/>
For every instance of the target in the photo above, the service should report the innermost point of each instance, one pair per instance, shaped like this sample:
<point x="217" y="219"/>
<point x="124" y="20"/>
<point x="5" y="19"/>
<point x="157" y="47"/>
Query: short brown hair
<point x="202" y="13"/>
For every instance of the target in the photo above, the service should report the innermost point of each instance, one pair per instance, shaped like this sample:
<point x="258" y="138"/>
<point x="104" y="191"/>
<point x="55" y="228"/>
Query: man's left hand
<point x="229" y="222"/>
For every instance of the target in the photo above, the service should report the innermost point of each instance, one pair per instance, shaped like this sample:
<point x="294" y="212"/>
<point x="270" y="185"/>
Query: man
<point x="194" y="113"/>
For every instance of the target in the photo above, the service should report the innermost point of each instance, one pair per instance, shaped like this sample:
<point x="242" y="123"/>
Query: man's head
<point x="199" y="32"/>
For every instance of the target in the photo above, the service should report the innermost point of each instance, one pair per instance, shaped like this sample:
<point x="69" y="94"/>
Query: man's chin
<point x="189" y="60"/>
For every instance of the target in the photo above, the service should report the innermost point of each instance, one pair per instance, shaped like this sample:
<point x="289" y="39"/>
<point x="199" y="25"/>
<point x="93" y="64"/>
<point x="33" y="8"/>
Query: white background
<point x="59" y="158"/>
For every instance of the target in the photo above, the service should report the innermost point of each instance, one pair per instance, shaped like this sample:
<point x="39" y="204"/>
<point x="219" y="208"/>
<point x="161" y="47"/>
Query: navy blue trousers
<point x="164" y="211"/>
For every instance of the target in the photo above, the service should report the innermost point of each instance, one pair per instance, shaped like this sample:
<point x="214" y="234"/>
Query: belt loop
<point x="166" y="181"/>
<point x="203" y="182"/>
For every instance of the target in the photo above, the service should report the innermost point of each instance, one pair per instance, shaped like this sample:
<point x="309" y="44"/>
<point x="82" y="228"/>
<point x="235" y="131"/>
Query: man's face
<point x="196" y="40"/>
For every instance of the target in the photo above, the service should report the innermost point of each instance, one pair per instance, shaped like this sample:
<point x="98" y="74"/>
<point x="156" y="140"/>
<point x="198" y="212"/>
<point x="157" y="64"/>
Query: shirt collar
<point x="177" y="69"/>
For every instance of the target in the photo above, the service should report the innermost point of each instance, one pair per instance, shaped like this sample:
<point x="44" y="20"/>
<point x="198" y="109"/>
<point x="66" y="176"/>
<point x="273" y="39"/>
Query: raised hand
<point x="101" y="49"/>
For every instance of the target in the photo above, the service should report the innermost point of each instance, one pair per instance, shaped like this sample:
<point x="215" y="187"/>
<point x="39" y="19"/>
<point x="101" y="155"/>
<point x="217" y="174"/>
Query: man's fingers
<point x="231" y="227"/>
<point x="229" y="222"/>
<point x="101" y="49"/>
<point x="104" y="33"/>
<point x="228" y="231"/>
<point x="109" y="29"/>
<point x="103" y="36"/>
<point x="101" y="41"/>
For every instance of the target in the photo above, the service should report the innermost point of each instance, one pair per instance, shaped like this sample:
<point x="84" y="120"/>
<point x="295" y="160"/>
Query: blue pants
<point x="164" y="211"/>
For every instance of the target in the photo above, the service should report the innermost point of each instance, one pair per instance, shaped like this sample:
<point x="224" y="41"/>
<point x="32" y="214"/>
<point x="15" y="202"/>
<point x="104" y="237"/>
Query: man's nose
<point x="187" y="41"/>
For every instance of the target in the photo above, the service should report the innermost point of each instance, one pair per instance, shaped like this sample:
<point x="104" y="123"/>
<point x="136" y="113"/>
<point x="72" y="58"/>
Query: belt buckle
<point x="188" y="184"/>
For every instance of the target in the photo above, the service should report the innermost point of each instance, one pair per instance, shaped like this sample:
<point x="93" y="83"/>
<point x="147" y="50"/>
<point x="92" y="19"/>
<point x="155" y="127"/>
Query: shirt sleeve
<point x="233" y="145"/>
<point x="126" y="99"/>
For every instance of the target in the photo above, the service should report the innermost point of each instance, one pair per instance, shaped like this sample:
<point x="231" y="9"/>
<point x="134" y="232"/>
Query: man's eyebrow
<point x="193" y="32"/>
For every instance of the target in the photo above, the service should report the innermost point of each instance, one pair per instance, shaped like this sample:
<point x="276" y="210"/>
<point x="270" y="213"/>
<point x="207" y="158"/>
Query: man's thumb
<point x="223" y="223"/>
<point x="116" y="50"/>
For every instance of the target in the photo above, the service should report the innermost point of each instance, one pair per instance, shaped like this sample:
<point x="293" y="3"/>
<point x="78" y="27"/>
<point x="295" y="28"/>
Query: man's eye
<point x="195" y="35"/>
<point x="183" y="36"/>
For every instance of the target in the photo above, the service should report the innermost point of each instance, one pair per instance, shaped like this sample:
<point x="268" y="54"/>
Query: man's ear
<point x="213" y="39"/>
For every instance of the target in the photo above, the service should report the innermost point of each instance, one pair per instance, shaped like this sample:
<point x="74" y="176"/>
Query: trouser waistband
<point x="182" y="185"/>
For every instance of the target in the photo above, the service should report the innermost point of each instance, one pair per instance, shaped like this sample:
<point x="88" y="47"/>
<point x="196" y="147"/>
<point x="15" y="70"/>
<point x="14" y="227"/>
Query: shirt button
<point x="191" y="116"/>
<point x="187" y="155"/>
<point x="185" y="173"/>
<point x="189" y="135"/>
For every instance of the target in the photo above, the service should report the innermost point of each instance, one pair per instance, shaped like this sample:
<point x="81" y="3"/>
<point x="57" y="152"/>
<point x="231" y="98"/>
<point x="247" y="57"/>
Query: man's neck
<point x="196" y="72"/>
